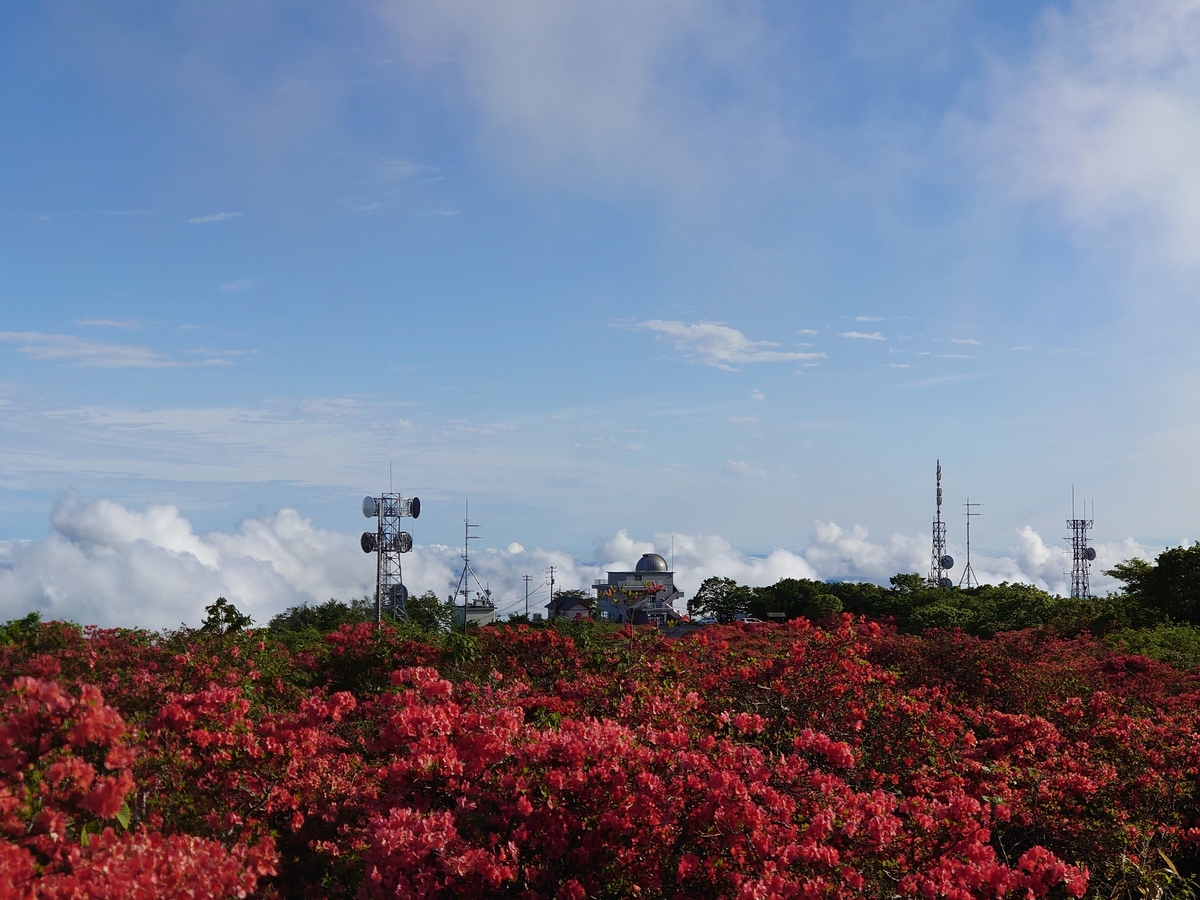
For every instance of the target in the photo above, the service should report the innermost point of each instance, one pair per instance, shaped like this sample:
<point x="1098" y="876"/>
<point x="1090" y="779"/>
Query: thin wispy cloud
<point x="69" y="348"/>
<point x="127" y="324"/>
<point x="1101" y="122"/>
<point x="214" y="218"/>
<point x="808" y="331"/>
<point x="242" y="284"/>
<point x="719" y="345"/>
<point x="868" y="318"/>
<point x="744" y="468"/>
<point x="396" y="169"/>
<point x="862" y="335"/>
<point x="971" y="341"/>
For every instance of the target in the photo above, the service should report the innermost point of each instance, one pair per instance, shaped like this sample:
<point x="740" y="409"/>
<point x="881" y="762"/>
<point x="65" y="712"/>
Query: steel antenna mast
<point x="968" y="575"/>
<point x="1081" y="554"/>
<point x="940" y="560"/>
<point x="483" y="595"/>
<point x="388" y="541"/>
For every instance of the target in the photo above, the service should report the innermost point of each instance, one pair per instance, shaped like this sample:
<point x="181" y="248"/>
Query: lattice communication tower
<point x="1082" y="555"/>
<point x="940" y="561"/>
<point x="388" y="541"/>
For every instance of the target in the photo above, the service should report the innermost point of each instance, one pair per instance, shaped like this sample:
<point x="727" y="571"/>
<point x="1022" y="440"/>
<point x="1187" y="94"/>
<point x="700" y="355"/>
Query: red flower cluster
<point x="58" y="810"/>
<point x="743" y="762"/>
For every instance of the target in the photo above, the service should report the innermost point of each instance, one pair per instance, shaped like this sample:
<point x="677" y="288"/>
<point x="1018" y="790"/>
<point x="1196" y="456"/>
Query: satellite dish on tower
<point x="947" y="561"/>
<point x="414" y="507"/>
<point x="370" y="507"/>
<point x="1090" y="553"/>
<point x="945" y="583"/>
<point x="368" y="542"/>
<point x="404" y="542"/>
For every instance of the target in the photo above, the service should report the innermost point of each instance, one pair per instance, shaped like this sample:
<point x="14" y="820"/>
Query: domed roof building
<point x="651" y="562"/>
<point x="643" y="596"/>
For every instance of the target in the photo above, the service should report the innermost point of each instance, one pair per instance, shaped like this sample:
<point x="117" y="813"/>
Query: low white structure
<point x="478" y="611"/>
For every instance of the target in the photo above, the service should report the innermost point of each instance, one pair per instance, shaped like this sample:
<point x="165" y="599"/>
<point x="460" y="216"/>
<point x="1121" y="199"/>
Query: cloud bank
<point x="104" y="563"/>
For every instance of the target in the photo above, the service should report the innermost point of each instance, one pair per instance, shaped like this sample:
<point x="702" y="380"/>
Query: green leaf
<point x="124" y="814"/>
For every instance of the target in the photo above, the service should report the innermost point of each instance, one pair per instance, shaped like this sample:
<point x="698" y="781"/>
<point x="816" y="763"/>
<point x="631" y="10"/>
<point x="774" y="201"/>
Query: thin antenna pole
<point x="528" y="578"/>
<point x="483" y="594"/>
<point x="552" y="588"/>
<point x="672" y="552"/>
<point x="968" y="576"/>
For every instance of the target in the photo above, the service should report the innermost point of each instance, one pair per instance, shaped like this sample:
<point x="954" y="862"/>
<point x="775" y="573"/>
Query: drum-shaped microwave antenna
<point x="370" y="507"/>
<point x="947" y="561"/>
<point x="1090" y="553"/>
<point x="369" y="542"/>
<point x="945" y="583"/>
<point x="414" y="507"/>
<point x="404" y="542"/>
<point x="398" y="595"/>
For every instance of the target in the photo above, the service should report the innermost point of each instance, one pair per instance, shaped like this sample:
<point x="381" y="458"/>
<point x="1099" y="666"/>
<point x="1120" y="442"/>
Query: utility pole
<point x="528" y="578"/>
<point x="552" y="590"/>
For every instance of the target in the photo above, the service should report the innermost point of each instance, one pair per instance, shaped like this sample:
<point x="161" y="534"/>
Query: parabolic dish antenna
<point x="370" y="507"/>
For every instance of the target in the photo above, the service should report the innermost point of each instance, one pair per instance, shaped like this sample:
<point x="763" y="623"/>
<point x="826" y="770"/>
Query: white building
<point x="642" y="597"/>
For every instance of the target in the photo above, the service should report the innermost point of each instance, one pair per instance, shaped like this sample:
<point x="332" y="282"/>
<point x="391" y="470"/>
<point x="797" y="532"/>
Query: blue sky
<point x="728" y="270"/>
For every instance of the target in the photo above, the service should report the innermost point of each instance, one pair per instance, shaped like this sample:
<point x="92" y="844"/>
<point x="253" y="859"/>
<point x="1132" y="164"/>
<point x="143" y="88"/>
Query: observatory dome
<point x="651" y="562"/>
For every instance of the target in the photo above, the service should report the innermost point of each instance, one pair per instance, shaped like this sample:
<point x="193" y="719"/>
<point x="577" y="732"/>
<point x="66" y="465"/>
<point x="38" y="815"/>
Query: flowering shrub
<point x="64" y="777"/>
<point x="743" y="762"/>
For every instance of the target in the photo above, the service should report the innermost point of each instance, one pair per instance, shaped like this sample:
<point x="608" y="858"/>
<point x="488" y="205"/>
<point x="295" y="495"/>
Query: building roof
<point x="651" y="562"/>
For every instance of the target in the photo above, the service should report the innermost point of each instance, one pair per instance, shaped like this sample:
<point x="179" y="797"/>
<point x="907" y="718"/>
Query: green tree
<point x="720" y="598"/>
<point x="222" y="617"/>
<point x="430" y="612"/>
<point x="1169" y="588"/>
<point x="323" y="617"/>
<point x="823" y="606"/>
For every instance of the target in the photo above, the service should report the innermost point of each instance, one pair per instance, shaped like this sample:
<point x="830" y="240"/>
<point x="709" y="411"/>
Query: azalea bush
<point x="744" y="761"/>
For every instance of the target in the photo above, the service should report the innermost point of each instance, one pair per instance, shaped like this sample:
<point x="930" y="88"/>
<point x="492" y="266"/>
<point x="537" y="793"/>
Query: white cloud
<point x="214" y="218"/>
<point x="744" y="468"/>
<point x="93" y="354"/>
<point x="597" y="91"/>
<point x="395" y="169"/>
<point x="106" y="564"/>
<point x="868" y="318"/>
<point x="1103" y="122"/>
<point x="241" y="284"/>
<point x="109" y="565"/>
<point x="971" y="341"/>
<point x="862" y="335"/>
<point x="719" y="345"/>
<point x="109" y="323"/>
<point x="808" y="331"/>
